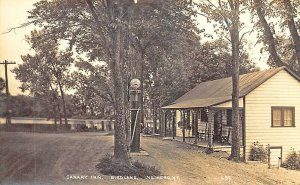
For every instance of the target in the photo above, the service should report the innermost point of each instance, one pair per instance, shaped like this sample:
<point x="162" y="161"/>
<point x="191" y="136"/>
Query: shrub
<point x="292" y="161"/>
<point x="258" y="152"/>
<point x="110" y="166"/>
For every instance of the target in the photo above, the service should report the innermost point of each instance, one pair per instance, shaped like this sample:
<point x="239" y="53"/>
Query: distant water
<point x="25" y="120"/>
<point x="2" y="120"/>
<point x="21" y="120"/>
<point x="90" y="123"/>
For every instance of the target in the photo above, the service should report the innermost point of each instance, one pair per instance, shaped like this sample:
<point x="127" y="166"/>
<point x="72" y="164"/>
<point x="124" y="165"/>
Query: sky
<point x="12" y="45"/>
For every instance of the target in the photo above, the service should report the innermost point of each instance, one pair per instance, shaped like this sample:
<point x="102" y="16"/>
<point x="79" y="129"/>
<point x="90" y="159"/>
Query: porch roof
<point x="219" y="91"/>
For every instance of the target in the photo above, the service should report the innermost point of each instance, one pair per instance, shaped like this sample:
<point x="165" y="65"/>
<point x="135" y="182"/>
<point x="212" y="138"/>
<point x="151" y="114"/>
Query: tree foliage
<point x="277" y="25"/>
<point x="213" y="61"/>
<point x="115" y="41"/>
<point x="117" y="33"/>
<point x="37" y="106"/>
<point x="93" y="96"/>
<point x="46" y="71"/>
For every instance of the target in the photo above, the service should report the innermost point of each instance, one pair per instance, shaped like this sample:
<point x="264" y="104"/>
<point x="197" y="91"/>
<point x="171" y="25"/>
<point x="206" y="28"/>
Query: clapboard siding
<point x="280" y="90"/>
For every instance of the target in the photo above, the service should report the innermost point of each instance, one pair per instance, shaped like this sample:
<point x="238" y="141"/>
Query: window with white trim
<point x="283" y="116"/>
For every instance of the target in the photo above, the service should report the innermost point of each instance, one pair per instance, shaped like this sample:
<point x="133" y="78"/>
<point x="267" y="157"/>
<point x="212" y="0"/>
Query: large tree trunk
<point x="115" y="12"/>
<point x="58" y="81"/>
<point x="120" y="148"/>
<point x="268" y="34"/>
<point x="234" y="34"/>
<point x="293" y="29"/>
<point x="142" y="89"/>
<point x="269" y="39"/>
<point x="58" y="108"/>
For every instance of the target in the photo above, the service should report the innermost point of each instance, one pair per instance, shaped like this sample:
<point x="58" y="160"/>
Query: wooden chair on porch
<point x="203" y="134"/>
<point x="225" y="138"/>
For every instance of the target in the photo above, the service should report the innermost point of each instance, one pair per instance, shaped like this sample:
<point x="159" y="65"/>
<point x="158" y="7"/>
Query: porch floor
<point x="204" y="144"/>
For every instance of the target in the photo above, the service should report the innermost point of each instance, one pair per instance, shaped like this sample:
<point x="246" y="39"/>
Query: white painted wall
<point x="280" y="90"/>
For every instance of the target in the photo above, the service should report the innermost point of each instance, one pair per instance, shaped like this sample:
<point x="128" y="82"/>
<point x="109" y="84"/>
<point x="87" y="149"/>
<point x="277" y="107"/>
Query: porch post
<point x="210" y="130"/>
<point x="195" y="119"/>
<point x="173" y="123"/>
<point x="159" y="121"/>
<point x="244" y="128"/>
<point x="183" y="125"/>
<point x="165" y="122"/>
<point x="199" y="118"/>
<point x="169" y="122"/>
<point x="192" y="122"/>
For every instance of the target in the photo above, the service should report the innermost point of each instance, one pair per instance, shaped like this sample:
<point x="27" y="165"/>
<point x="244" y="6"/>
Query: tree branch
<point x="18" y="27"/>
<point x="292" y="28"/>
<point x="225" y="18"/>
<point x="96" y="17"/>
<point x="242" y="36"/>
<point x="269" y="39"/>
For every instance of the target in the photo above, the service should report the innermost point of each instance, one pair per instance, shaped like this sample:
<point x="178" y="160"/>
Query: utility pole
<point x="8" y="105"/>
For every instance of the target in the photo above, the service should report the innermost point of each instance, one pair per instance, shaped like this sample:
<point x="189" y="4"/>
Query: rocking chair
<point x="225" y="138"/>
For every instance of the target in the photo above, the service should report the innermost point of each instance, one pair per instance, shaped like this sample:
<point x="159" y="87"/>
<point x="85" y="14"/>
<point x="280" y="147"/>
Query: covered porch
<point x="217" y="147"/>
<point x="205" y="127"/>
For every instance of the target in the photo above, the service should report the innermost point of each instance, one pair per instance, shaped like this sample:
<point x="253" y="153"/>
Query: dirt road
<point x="32" y="158"/>
<point x="41" y="158"/>
<point x="195" y="167"/>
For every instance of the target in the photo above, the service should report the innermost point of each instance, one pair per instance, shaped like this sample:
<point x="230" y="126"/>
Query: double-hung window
<point x="283" y="116"/>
